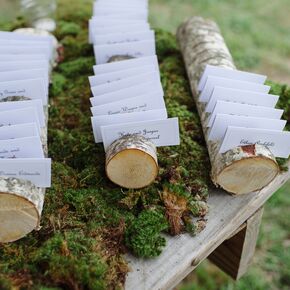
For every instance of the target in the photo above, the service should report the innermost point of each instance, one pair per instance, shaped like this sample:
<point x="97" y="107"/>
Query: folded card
<point x="212" y="82"/>
<point x="126" y="64"/>
<point x="240" y="96"/>
<point x="115" y="38"/>
<point x="233" y="74"/>
<point x="22" y="65"/>
<point x="22" y="57"/>
<point x="27" y="74"/>
<point x="106" y="120"/>
<point x="133" y="49"/>
<point x="160" y="132"/>
<point x="32" y="89"/>
<point x="125" y="83"/>
<point x="37" y="170"/>
<point x="146" y="102"/>
<point x="277" y="141"/>
<point x="127" y="93"/>
<point x="43" y="49"/>
<point x="223" y="107"/>
<point x="100" y="79"/>
<point x="223" y="121"/>
<point x="14" y="105"/>
<point x="18" y="131"/>
<point x="28" y="147"/>
<point x="19" y="116"/>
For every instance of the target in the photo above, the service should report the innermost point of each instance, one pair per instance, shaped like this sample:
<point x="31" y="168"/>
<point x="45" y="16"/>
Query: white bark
<point x="240" y="170"/>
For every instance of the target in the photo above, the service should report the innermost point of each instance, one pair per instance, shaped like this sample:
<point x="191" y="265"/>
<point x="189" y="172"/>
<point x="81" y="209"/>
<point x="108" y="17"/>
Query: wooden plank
<point x="234" y="255"/>
<point x="184" y="253"/>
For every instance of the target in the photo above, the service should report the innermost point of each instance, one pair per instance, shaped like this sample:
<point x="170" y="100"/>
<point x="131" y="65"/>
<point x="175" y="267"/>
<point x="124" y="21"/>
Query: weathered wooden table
<point x="229" y="241"/>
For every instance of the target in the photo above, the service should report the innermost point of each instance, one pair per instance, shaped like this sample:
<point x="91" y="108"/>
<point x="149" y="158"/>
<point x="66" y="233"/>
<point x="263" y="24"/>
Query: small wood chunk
<point x="131" y="162"/>
<point x="243" y="169"/>
<point x="21" y="204"/>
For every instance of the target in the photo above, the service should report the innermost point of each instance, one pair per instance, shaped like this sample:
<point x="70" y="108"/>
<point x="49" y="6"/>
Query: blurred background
<point x="258" y="35"/>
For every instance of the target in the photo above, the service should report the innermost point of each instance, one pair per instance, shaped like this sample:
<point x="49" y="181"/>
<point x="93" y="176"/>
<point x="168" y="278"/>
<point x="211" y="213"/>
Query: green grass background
<point x="258" y="35"/>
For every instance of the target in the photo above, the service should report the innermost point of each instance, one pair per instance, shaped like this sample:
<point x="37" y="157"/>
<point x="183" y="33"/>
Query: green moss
<point x="143" y="234"/>
<point x="66" y="28"/>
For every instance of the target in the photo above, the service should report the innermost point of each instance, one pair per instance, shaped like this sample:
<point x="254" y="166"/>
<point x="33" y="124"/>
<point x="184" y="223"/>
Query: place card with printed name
<point x="128" y="82"/>
<point x="160" y="132"/>
<point x="37" y="170"/>
<point x="132" y="49"/>
<point x="223" y="121"/>
<point x="105" y="120"/>
<point x="104" y="78"/>
<point x="145" y="102"/>
<point x="224" y="107"/>
<point x="231" y="74"/>
<point x="127" y="93"/>
<point x="277" y="141"/>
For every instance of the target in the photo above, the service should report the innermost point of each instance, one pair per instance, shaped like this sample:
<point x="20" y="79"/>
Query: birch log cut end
<point x="242" y="169"/>
<point x="247" y="169"/>
<point x="131" y="162"/>
<point x="20" y="208"/>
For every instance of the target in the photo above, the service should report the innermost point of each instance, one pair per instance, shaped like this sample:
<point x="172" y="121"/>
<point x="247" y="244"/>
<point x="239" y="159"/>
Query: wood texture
<point x="240" y="170"/>
<point x="131" y="162"/>
<point x="235" y="255"/>
<point x="184" y="253"/>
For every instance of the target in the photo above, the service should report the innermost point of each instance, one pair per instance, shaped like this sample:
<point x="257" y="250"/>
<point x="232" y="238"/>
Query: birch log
<point x="21" y="202"/>
<point x="131" y="162"/>
<point x="243" y="169"/>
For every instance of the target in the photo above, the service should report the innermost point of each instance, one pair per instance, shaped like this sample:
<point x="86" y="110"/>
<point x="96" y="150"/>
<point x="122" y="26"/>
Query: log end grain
<point x="248" y="169"/>
<point x="20" y="208"/>
<point x="131" y="162"/>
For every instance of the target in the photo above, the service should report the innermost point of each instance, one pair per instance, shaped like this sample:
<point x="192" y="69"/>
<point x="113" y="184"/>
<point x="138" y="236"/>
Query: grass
<point x="257" y="34"/>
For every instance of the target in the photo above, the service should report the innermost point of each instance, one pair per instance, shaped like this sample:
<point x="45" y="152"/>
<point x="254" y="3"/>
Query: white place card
<point x="160" y="132"/>
<point x="100" y="79"/>
<point x="106" y="120"/>
<point x="125" y="83"/>
<point x="32" y="88"/>
<point x="19" y="116"/>
<point x="127" y="93"/>
<point x="233" y="74"/>
<point x="18" y="131"/>
<point x="223" y="107"/>
<point x="15" y="105"/>
<point x="37" y="170"/>
<point x="212" y="82"/>
<point x="126" y="64"/>
<point x="43" y="49"/>
<point x="277" y="141"/>
<point x="22" y="65"/>
<point x="115" y="38"/>
<point x="223" y="121"/>
<point x="133" y="49"/>
<point x="22" y="57"/>
<point x="146" y="102"/>
<point x="131" y="14"/>
<point x="240" y="96"/>
<point x="28" y="74"/>
<point x="28" y="147"/>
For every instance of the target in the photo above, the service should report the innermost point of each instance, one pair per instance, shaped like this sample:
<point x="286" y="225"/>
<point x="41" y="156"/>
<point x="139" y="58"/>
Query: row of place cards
<point x="127" y="94"/>
<point x="241" y="111"/>
<point x="24" y="80"/>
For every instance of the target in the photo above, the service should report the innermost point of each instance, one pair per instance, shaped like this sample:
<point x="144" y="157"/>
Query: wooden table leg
<point x="234" y="255"/>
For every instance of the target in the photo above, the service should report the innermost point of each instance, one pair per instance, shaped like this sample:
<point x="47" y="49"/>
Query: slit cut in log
<point x="131" y="162"/>
<point x="243" y="169"/>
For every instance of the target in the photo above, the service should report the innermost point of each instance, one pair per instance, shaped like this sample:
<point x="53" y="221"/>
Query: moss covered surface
<point x="88" y="223"/>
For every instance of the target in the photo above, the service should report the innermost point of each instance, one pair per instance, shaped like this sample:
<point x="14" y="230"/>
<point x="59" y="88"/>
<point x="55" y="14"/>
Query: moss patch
<point x="88" y="223"/>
